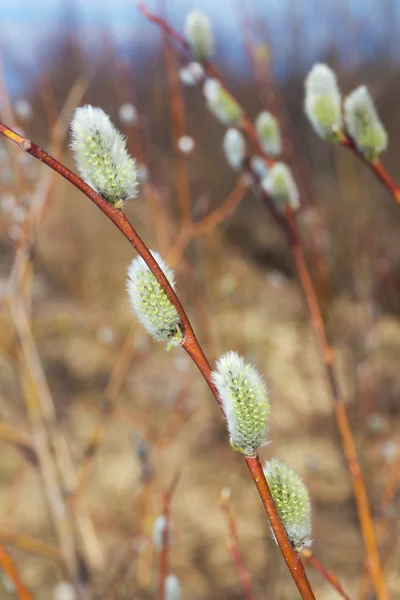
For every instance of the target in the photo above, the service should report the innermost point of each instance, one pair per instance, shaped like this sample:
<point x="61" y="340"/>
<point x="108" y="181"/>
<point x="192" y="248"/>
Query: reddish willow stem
<point x="288" y="225"/>
<point x="329" y="576"/>
<point x="376" y="167"/>
<point x="235" y="550"/>
<point x="290" y="555"/>
<point x="12" y="573"/>
<point x="342" y="420"/>
<point x="190" y="343"/>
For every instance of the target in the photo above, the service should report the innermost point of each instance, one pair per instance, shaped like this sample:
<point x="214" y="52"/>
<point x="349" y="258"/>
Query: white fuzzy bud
<point x="268" y="132"/>
<point x="259" y="166"/>
<point x="292" y="502"/>
<point x="186" y="144"/>
<point x="323" y="102"/>
<point x="159" y="527"/>
<point x="172" y="588"/>
<point x="223" y="106"/>
<point x="101" y="156"/>
<point x="244" y="398"/>
<point x="364" y="125"/>
<point x="64" y="591"/>
<point x="234" y="148"/>
<point x="23" y="109"/>
<point x="198" y="34"/>
<point x="192" y="73"/>
<point x="150" y="303"/>
<point x="280" y="185"/>
<point x="127" y="113"/>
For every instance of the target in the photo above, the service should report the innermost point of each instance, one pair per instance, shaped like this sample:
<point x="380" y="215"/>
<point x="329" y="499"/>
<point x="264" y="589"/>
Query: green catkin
<point x="364" y="125"/>
<point x="101" y="156"/>
<point x="292" y="502"/>
<point x="151" y="304"/>
<point x="244" y="398"/>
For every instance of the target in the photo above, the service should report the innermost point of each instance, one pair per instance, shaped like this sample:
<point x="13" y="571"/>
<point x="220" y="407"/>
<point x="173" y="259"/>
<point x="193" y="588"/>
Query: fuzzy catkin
<point x="292" y="502"/>
<point x="199" y="35"/>
<point x="364" y="125"/>
<point x="223" y="106"/>
<point x="101" y="156"/>
<point x="268" y="132"/>
<point x="323" y="102"/>
<point x="281" y="186"/>
<point x="234" y="148"/>
<point x="150" y="303"/>
<point x="172" y="588"/>
<point x="244" y="398"/>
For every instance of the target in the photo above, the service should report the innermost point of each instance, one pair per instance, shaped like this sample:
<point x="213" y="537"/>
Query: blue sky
<point x="27" y="24"/>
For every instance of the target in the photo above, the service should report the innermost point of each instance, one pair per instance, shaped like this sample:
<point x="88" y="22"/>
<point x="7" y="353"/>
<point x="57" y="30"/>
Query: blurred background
<point x="124" y="417"/>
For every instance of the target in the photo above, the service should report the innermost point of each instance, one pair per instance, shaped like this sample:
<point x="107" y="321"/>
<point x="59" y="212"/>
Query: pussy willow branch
<point x="190" y="343"/>
<point x="9" y="568"/>
<point x="376" y="167"/>
<point x="289" y="226"/>
<point x="342" y="420"/>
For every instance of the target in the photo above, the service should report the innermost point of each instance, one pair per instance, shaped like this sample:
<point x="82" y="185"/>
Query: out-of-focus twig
<point x="12" y="573"/>
<point x="234" y="544"/>
<point x="207" y="223"/>
<point x="329" y="576"/>
<point x="31" y="545"/>
<point x="376" y="167"/>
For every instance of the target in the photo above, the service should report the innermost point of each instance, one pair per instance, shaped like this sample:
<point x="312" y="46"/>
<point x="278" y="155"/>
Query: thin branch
<point x="213" y="219"/>
<point x="290" y="555"/>
<point x="235" y="549"/>
<point x="375" y="166"/>
<point x="329" y="576"/>
<point x="12" y="573"/>
<point x="31" y="545"/>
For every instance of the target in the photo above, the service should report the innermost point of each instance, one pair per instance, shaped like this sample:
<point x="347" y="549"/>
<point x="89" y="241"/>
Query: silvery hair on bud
<point x="234" y="148"/>
<point x="223" y="106"/>
<point x="323" y="102"/>
<point x="198" y="34"/>
<point x="363" y="123"/>
<point x="292" y="502"/>
<point x="172" y="588"/>
<point x="101" y="156"/>
<point x="150" y="303"/>
<point x="244" y="398"/>
<point x="282" y="188"/>
<point x="268" y="132"/>
<point x="159" y="528"/>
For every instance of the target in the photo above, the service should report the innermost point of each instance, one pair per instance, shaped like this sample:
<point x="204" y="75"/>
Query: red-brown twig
<point x="199" y="228"/>
<point x="189" y="343"/>
<point x="178" y="131"/>
<point x="376" y="167"/>
<point x="12" y="573"/>
<point x="234" y="544"/>
<point x="342" y="420"/>
<point x="329" y="576"/>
